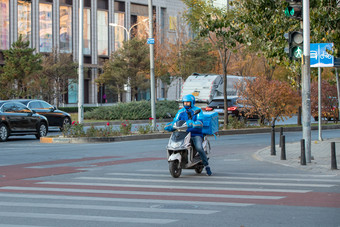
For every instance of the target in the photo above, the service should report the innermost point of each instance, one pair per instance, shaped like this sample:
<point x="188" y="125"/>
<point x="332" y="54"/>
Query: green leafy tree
<point x="265" y="24"/>
<point x="128" y="65"/>
<point x="325" y="23"/>
<point x="223" y="30"/>
<point x="21" y="65"/>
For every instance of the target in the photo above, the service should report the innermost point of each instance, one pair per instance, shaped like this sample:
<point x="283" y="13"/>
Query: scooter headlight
<point x="175" y="144"/>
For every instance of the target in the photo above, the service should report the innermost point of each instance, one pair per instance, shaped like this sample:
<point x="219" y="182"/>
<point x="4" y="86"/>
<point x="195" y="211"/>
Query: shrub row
<point x="75" y="109"/>
<point x="132" y="111"/>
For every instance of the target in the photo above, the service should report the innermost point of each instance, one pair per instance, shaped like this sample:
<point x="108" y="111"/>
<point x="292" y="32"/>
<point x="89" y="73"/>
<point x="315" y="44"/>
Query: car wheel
<point x="66" y="121"/>
<point x="4" y="133"/>
<point x="42" y="130"/>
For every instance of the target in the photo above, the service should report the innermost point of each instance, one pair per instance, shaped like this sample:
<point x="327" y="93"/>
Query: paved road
<point x="128" y="184"/>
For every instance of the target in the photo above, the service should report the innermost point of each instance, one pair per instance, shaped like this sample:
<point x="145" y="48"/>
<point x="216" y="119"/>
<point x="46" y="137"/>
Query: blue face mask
<point x="186" y="107"/>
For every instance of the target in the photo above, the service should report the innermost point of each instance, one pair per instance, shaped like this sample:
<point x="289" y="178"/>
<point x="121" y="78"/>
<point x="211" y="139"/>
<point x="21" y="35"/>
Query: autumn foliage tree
<point x="329" y="102"/>
<point x="271" y="100"/>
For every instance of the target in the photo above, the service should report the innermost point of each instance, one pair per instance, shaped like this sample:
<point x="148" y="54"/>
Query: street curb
<point x="103" y="139"/>
<point x="167" y="135"/>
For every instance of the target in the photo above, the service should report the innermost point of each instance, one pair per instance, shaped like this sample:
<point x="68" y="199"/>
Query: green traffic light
<point x="289" y="11"/>
<point x="297" y="52"/>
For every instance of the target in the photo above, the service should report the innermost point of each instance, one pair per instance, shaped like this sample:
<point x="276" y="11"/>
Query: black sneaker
<point x="207" y="169"/>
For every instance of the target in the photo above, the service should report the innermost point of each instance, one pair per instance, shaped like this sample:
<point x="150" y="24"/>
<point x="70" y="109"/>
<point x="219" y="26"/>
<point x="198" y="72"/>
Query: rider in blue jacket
<point x="195" y="125"/>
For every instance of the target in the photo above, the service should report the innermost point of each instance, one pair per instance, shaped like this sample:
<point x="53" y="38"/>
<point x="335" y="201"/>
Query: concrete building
<point x="54" y="24"/>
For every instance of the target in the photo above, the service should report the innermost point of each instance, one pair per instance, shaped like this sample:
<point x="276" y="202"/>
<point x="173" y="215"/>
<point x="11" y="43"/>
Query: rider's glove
<point x="190" y="123"/>
<point x="169" y="127"/>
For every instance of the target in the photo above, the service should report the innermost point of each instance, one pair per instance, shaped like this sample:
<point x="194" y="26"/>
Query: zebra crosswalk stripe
<point x="87" y="218"/>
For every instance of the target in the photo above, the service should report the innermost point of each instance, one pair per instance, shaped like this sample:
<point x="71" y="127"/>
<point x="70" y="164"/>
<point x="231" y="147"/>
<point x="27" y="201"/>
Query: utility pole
<point x="306" y="88"/>
<point x="152" y="68"/>
<point x="81" y="67"/>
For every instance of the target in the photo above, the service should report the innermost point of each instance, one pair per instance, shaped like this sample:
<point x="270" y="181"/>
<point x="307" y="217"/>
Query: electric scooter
<point x="181" y="152"/>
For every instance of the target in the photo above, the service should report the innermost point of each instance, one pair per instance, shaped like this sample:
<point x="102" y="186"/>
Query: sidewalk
<point x="321" y="156"/>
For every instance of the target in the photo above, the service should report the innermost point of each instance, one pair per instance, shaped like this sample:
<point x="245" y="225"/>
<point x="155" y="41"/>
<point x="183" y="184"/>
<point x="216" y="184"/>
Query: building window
<point x="172" y="23"/>
<point x="65" y="29"/>
<point x="141" y="29"/>
<point x="87" y="31"/>
<point x="24" y="20"/>
<point x="119" y="32"/>
<point x="4" y="24"/>
<point x="45" y="25"/>
<point x="103" y="35"/>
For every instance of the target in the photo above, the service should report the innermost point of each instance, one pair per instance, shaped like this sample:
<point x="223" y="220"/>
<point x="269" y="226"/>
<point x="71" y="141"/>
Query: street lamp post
<point x="152" y="67"/>
<point x="128" y="32"/>
<point x="81" y="67"/>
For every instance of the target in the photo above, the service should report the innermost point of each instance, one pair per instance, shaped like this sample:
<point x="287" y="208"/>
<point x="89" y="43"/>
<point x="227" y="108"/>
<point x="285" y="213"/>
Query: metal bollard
<point x="283" y="147"/>
<point x="273" y="151"/>
<point x="303" y="153"/>
<point x="333" y="156"/>
<point x="281" y="134"/>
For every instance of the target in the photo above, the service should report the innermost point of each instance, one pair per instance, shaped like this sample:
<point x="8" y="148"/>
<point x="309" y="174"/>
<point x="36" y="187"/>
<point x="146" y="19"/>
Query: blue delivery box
<point x="210" y="123"/>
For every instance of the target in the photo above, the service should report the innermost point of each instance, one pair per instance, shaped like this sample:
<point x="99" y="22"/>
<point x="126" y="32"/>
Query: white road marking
<point x="189" y="194"/>
<point x="175" y="181"/>
<point x="177" y="187"/>
<point x="86" y="218"/>
<point x="229" y="177"/>
<point x="124" y="200"/>
<point x="116" y="208"/>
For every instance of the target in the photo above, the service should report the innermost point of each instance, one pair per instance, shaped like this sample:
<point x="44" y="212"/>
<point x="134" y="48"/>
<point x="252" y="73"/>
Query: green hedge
<point x="75" y="109"/>
<point x="132" y="111"/>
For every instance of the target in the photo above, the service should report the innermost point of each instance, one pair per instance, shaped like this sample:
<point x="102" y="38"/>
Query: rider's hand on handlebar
<point x="190" y="123"/>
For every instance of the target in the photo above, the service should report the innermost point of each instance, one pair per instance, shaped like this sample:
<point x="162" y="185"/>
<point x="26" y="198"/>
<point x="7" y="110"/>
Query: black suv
<point x="217" y="105"/>
<point x="17" y="119"/>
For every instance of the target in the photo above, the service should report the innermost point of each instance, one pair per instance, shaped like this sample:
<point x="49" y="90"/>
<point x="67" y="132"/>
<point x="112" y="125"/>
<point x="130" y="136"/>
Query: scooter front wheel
<point x="175" y="168"/>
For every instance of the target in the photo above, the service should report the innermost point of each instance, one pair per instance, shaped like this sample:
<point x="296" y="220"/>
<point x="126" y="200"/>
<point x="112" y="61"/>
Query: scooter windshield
<point x="178" y="136"/>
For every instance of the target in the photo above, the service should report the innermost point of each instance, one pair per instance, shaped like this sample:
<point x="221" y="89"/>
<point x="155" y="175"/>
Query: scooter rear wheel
<point x="199" y="169"/>
<point x="175" y="169"/>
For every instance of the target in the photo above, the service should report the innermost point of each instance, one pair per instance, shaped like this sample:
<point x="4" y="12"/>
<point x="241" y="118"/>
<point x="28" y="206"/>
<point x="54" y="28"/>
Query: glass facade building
<point x="65" y="33"/>
<point x="54" y="25"/>
<point x="4" y="24"/>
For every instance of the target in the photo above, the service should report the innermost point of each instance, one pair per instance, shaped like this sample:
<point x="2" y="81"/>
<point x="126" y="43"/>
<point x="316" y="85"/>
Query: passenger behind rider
<point x="195" y="125"/>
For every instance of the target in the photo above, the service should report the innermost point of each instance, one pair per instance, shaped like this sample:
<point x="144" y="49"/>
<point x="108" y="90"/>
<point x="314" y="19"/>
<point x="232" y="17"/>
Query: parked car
<point x="331" y="114"/>
<point x="18" y="119"/>
<point x="54" y="116"/>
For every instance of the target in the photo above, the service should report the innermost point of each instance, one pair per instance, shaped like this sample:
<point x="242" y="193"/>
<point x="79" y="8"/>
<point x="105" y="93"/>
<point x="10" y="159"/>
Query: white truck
<point x="206" y="86"/>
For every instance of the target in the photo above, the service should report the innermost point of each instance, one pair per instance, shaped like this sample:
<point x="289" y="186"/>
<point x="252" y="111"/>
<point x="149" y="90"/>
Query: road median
<point x="162" y="135"/>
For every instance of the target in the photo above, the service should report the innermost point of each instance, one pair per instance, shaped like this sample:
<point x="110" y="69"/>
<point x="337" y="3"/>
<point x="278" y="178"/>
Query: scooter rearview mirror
<point x="197" y="111"/>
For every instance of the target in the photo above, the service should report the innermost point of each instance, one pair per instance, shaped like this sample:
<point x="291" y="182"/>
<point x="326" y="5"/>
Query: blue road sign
<point x="318" y="55"/>
<point x="151" y="41"/>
